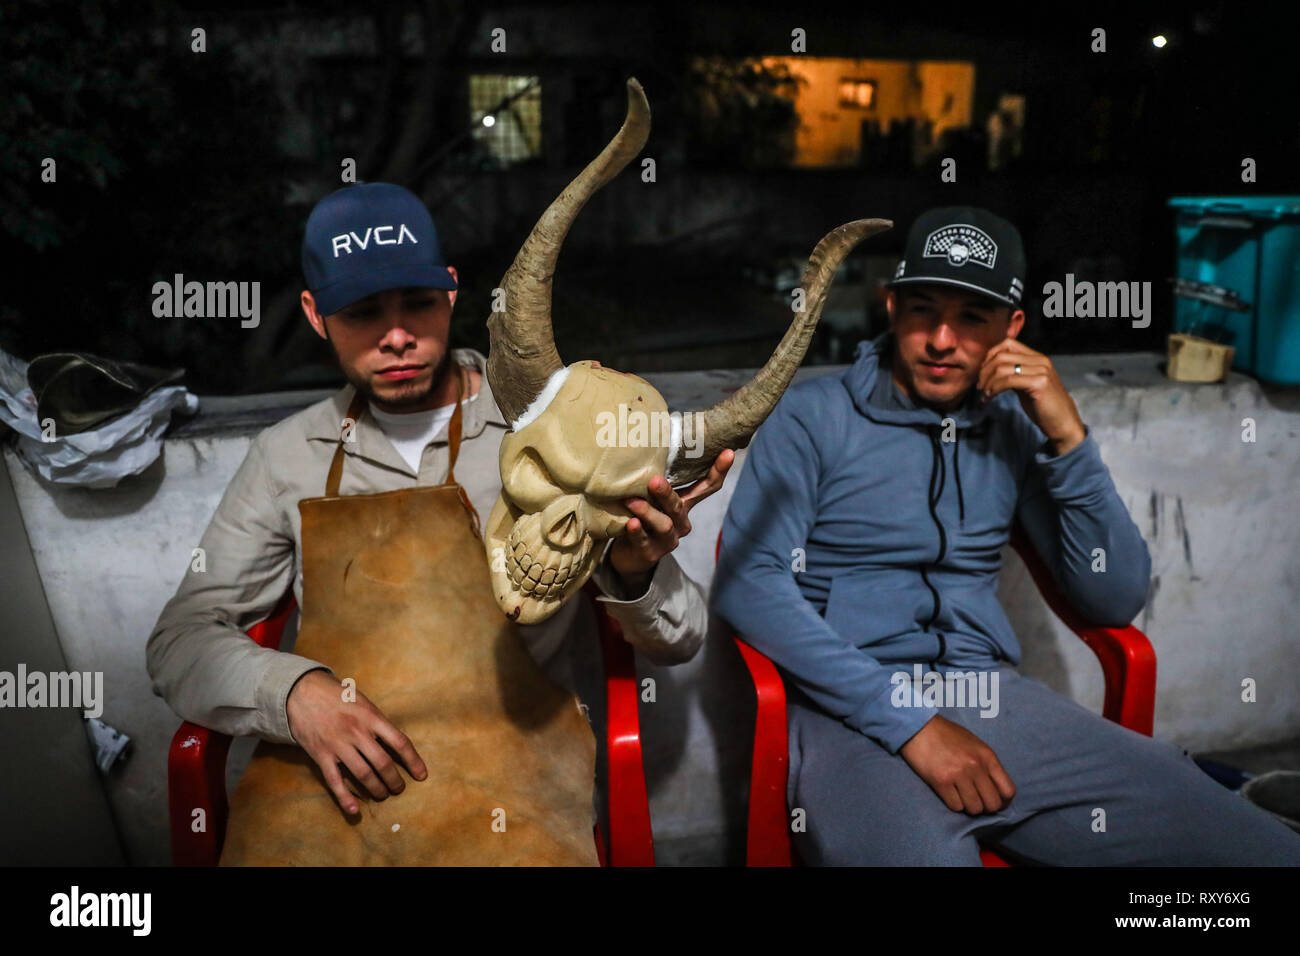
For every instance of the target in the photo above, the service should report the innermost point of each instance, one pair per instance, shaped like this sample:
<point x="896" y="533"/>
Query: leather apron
<point x="397" y="596"/>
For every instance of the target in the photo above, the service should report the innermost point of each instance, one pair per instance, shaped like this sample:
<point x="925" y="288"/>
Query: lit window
<point x="860" y="94"/>
<point x="506" y="114"/>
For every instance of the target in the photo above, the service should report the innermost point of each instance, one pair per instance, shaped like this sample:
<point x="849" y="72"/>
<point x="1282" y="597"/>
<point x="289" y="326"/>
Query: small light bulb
<point x="1159" y="40"/>
<point x="489" y="121"/>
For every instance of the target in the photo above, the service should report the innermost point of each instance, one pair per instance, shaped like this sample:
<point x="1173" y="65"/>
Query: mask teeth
<point x="538" y="578"/>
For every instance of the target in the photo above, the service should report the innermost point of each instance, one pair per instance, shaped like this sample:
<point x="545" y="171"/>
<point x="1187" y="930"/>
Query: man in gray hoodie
<point x="861" y="554"/>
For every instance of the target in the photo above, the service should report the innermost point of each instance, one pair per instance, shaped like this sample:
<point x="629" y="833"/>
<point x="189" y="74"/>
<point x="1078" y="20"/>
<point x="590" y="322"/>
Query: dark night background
<point x="207" y="163"/>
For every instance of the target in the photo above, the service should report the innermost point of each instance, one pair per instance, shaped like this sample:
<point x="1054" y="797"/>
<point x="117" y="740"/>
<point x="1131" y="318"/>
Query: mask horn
<point x="522" y="353"/>
<point x="732" y="422"/>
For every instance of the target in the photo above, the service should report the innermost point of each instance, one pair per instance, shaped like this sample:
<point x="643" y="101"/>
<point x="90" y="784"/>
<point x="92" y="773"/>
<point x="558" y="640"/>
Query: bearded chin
<point x="407" y="396"/>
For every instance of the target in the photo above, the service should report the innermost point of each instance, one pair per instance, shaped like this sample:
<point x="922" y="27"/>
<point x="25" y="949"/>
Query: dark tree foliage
<point x="166" y="162"/>
<point x="741" y="112"/>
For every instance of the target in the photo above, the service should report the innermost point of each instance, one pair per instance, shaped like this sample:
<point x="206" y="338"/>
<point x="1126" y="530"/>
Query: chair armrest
<point x="196" y="769"/>
<point x="631" y="839"/>
<point x="269" y="633"/>
<point x="1128" y="661"/>
<point x="767" y="841"/>
<point x="196" y="780"/>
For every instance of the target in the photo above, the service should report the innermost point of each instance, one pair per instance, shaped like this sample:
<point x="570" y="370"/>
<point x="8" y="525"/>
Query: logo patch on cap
<point x="960" y="244"/>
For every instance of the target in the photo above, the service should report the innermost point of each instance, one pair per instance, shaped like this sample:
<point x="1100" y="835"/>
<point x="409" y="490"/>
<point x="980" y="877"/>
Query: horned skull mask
<point x="584" y="438"/>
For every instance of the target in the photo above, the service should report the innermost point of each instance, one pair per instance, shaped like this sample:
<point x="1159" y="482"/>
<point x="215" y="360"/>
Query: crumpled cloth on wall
<point x="99" y="457"/>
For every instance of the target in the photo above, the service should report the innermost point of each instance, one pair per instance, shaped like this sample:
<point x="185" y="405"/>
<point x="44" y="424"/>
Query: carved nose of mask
<point x="560" y="524"/>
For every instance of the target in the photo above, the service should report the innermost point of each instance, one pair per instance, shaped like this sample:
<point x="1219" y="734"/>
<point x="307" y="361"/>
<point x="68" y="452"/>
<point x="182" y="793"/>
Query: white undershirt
<point x="410" y="432"/>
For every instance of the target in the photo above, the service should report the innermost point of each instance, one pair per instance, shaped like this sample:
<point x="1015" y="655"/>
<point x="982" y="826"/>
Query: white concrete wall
<point x="1218" y="515"/>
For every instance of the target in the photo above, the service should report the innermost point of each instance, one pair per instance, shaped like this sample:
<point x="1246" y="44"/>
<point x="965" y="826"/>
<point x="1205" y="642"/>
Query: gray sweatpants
<point x="865" y="806"/>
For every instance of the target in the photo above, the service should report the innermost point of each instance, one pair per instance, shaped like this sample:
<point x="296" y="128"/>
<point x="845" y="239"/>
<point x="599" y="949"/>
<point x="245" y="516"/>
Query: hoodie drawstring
<point x="937" y="469"/>
<point x="956" y="467"/>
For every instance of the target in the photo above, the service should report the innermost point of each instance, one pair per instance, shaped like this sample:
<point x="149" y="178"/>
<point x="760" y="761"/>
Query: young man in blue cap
<point x="379" y="291"/>
<point x="897" y="484"/>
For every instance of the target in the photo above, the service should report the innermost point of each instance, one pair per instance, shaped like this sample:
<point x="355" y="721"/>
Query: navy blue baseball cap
<point x="967" y="248"/>
<point x="367" y="238"/>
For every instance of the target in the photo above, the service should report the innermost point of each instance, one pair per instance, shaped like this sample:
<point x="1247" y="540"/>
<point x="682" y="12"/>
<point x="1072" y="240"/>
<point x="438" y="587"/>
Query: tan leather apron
<point x="397" y="596"/>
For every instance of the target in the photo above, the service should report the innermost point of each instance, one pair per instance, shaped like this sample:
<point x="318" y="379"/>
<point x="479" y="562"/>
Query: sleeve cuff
<point x="668" y="622"/>
<point x="611" y="585"/>
<point x="1080" y="471"/>
<point x="891" y="726"/>
<point x="273" y="694"/>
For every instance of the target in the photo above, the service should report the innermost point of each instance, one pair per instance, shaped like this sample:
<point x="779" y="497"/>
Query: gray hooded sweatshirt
<point x="864" y="535"/>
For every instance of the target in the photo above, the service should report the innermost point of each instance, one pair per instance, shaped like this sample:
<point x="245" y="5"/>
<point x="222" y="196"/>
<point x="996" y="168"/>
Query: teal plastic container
<point x="1251" y="246"/>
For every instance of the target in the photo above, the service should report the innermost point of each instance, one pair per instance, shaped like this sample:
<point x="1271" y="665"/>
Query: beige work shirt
<point x="211" y="673"/>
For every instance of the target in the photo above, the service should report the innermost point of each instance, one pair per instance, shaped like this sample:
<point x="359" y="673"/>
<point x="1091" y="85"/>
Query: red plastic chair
<point x="196" y="762"/>
<point x="1128" y="663"/>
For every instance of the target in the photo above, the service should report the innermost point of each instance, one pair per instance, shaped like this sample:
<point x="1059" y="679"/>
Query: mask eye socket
<point x="530" y="484"/>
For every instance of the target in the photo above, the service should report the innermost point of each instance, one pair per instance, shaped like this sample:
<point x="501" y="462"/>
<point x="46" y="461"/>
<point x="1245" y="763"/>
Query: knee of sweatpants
<point x="1160" y="749"/>
<point x="911" y="848"/>
<point x="928" y="839"/>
